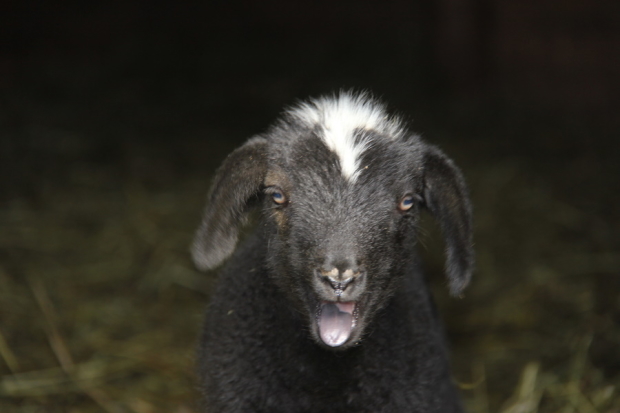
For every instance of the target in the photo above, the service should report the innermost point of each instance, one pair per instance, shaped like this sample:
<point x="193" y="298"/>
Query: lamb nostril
<point x="338" y="280"/>
<point x="339" y="284"/>
<point x="332" y="273"/>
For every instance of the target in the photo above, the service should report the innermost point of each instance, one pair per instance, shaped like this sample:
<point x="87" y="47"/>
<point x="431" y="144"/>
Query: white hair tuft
<point x="340" y="117"/>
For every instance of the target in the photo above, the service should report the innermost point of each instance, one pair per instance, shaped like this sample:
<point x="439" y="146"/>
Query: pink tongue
<point x="336" y="322"/>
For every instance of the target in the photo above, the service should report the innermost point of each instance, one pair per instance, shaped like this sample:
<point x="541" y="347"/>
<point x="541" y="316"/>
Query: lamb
<point x="324" y="307"/>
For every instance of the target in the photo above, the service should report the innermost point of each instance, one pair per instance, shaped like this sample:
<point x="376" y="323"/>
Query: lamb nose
<point x="339" y="280"/>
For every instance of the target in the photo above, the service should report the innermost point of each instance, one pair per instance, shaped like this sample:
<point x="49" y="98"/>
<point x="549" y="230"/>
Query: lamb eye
<point x="278" y="197"/>
<point x="406" y="203"/>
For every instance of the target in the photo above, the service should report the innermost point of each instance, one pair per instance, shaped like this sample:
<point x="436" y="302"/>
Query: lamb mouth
<point x="336" y="321"/>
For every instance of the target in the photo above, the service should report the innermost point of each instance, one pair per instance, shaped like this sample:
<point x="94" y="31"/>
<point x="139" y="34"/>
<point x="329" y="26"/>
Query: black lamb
<point x="324" y="308"/>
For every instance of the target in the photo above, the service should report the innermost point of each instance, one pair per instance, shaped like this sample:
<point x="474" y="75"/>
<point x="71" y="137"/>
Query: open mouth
<point x="336" y="320"/>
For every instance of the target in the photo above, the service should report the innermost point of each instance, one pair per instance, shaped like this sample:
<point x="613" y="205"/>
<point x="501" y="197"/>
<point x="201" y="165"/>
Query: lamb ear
<point x="446" y="197"/>
<point x="237" y="181"/>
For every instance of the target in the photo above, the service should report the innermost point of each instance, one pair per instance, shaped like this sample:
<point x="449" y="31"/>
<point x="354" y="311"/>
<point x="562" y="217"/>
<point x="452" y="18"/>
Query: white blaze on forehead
<point x="339" y="118"/>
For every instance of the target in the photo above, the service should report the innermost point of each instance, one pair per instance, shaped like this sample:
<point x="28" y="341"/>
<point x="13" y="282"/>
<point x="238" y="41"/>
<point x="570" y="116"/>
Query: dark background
<point x="113" y="117"/>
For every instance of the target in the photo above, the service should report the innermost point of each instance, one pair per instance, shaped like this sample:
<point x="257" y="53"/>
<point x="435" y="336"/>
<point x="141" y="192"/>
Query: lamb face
<point x="337" y="242"/>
